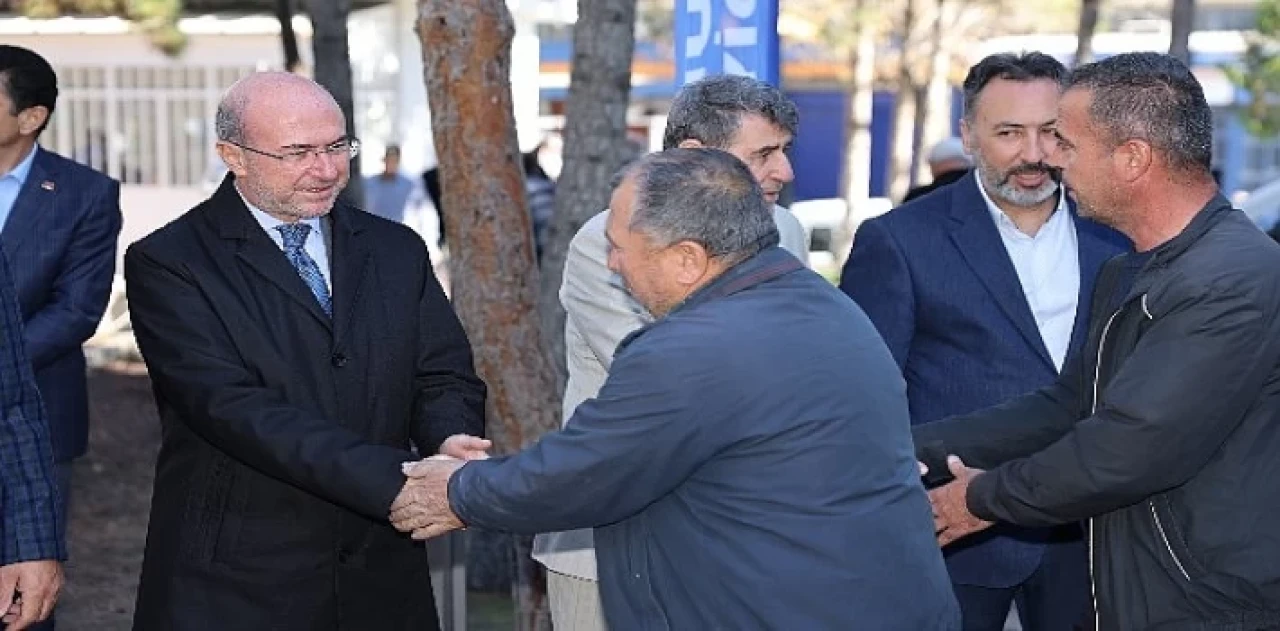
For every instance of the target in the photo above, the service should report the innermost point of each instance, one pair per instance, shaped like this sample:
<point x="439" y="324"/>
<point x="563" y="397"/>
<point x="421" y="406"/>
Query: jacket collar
<point x="36" y="198"/>
<point x="976" y="236"/>
<point x="232" y="219"/>
<point x="762" y="267"/>
<point x="22" y="170"/>
<point x="349" y="255"/>
<point x="1214" y="211"/>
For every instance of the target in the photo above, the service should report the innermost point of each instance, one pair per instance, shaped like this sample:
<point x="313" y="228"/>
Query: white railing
<point x="144" y="124"/>
<point x="153" y="124"/>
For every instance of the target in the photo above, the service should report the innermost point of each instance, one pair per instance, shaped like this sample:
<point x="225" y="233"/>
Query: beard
<point x="1091" y="208"/>
<point x="1001" y="186"/>
<point x="652" y="307"/>
<point x="268" y="202"/>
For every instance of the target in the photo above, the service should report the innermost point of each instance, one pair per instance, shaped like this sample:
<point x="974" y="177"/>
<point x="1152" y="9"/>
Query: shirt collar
<point x="998" y="215"/>
<point x="23" y="169"/>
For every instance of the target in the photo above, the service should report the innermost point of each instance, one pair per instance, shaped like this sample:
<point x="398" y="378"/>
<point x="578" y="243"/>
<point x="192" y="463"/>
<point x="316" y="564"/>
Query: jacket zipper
<point x="1155" y="516"/>
<point x="1097" y="375"/>
<point x="1160" y="528"/>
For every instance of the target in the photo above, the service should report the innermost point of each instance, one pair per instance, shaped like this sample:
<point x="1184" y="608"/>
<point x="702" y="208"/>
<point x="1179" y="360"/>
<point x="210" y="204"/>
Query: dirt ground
<point x="110" y="499"/>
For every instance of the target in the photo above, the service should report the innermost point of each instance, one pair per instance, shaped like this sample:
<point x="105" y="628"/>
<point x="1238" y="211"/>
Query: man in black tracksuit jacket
<point x="1164" y="432"/>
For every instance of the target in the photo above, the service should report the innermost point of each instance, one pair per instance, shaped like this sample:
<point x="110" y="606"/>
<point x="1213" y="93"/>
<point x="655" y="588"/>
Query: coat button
<point x="339" y="360"/>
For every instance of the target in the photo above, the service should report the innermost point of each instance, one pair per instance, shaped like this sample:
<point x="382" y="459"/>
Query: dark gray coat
<point x="747" y="465"/>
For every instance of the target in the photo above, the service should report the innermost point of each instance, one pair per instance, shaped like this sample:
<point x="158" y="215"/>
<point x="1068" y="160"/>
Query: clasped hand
<point x="951" y="517"/>
<point x="28" y="591"/>
<point x="422" y="507"/>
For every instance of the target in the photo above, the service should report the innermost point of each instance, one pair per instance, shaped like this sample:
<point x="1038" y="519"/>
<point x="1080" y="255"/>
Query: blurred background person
<point x="431" y="182"/>
<point x="948" y="162"/>
<point x="390" y="193"/>
<point x="541" y="191"/>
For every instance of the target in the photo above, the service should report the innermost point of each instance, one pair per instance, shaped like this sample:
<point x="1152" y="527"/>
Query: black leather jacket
<point x="1163" y="434"/>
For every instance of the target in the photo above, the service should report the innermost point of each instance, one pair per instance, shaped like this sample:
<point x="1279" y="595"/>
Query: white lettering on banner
<point x="739" y="40"/>
<point x="726" y="36"/>
<point x="696" y="43"/>
<point x="740" y="8"/>
<point x="739" y="37"/>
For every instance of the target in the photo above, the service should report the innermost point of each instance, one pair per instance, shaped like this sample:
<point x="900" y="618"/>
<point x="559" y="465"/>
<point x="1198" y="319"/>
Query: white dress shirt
<point x="1048" y="267"/>
<point x="315" y="245"/>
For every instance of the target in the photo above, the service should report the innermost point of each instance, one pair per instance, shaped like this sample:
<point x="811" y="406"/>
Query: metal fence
<point x="152" y="125"/>
<point x="149" y="125"/>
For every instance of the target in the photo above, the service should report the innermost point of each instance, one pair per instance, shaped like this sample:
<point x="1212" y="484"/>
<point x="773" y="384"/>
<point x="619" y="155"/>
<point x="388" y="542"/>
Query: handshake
<point x="948" y="496"/>
<point x="422" y="507"/>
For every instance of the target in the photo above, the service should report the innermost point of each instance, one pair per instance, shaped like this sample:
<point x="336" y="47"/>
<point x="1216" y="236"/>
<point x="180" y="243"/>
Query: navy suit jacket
<point x="61" y="242"/>
<point x="937" y="281"/>
<point x="30" y="513"/>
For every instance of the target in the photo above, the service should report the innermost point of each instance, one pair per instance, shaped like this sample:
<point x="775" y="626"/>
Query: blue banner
<point x="726" y="37"/>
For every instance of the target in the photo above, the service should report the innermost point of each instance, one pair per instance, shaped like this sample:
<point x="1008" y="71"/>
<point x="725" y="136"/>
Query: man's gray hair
<point x="1152" y="97"/>
<point x="710" y="110"/>
<point x="701" y="195"/>
<point x="228" y="120"/>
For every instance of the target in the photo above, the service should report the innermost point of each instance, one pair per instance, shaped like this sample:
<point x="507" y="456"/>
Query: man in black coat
<point x="298" y="350"/>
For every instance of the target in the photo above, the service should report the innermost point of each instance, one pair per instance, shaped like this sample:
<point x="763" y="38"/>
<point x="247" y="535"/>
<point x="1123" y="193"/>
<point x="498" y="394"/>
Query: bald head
<point x="285" y="139"/>
<point x="263" y="96"/>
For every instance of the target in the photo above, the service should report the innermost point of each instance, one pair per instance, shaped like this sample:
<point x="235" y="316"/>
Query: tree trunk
<point x="595" y="142"/>
<point x="1084" y="34"/>
<point x="920" y="95"/>
<point x="466" y="51"/>
<point x="332" y="70"/>
<point x="856" y="174"/>
<point x="904" y="108"/>
<point x="940" y="92"/>
<point x="931" y="96"/>
<point x="1181" y="19"/>
<point x="288" y="39"/>
<point x="899" y="171"/>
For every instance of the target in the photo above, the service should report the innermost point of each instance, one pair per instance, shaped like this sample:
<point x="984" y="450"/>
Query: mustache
<point x="1034" y="168"/>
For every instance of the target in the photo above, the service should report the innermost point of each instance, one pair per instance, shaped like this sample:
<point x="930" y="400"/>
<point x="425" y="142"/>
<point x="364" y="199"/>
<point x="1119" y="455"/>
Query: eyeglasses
<point x="347" y="148"/>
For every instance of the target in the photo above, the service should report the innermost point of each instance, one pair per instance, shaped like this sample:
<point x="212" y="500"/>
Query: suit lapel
<point x="37" y="199"/>
<point x="349" y="265"/>
<point x="1095" y="249"/>
<point x="976" y="237"/>
<point x="256" y="250"/>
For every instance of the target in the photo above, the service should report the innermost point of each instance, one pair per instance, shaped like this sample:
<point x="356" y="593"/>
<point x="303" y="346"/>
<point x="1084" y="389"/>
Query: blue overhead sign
<point x="726" y="37"/>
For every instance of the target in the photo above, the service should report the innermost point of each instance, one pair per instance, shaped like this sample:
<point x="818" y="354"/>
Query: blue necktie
<point x="295" y="237"/>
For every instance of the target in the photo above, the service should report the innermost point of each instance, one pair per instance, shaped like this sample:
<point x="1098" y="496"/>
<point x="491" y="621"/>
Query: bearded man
<point x="981" y="290"/>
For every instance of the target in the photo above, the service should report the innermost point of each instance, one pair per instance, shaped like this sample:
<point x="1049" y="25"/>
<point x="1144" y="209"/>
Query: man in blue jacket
<point x="32" y="547"/>
<point x="59" y="224"/>
<point x="981" y="290"/>
<point x="735" y="475"/>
